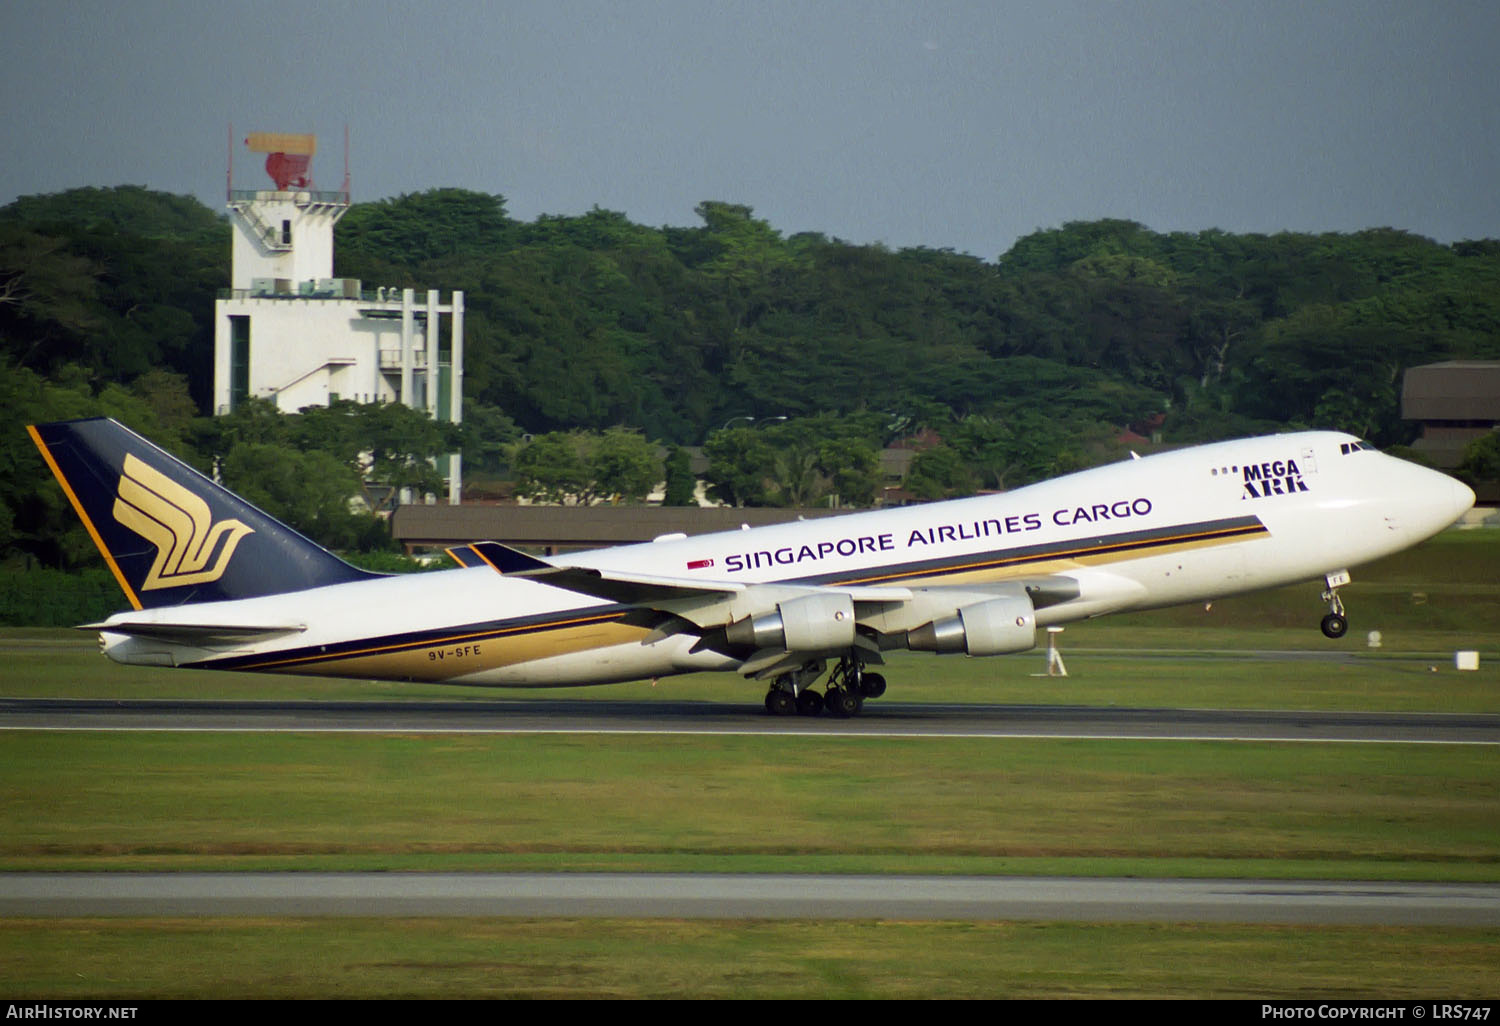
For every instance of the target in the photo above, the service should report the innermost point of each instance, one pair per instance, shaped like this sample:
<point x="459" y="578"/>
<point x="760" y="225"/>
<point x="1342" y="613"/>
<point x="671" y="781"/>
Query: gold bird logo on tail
<point x="178" y="523"/>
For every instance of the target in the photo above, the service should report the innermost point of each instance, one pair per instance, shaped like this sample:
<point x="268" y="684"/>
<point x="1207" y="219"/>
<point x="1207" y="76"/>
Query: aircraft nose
<point x="1433" y="500"/>
<point x="1463" y="497"/>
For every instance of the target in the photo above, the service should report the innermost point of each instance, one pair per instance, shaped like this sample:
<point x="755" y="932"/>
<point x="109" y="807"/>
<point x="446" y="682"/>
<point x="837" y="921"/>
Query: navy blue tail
<point x="169" y="534"/>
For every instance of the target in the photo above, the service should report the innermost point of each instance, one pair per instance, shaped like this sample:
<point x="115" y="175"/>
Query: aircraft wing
<point x="644" y="589"/>
<point x="628" y="589"/>
<point x="773" y="627"/>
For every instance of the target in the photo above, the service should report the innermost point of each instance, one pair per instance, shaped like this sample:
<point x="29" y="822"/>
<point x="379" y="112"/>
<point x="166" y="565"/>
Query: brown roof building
<point x="1455" y="402"/>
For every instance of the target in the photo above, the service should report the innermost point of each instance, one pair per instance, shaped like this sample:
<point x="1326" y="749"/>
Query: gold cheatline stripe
<point x="418" y="646"/>
<point x="486" y="560"/>
<point x="82" y="515"/>
<point x="1039" y="557"/>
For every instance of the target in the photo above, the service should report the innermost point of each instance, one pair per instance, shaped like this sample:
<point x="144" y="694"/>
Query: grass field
<point x="73" y="801"/>
<point x="611" y="958"/>
<point x="164" y="801"/>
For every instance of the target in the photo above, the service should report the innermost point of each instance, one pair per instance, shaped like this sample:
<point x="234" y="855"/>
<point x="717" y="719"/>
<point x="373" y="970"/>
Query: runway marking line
<point x="853" y="735"/>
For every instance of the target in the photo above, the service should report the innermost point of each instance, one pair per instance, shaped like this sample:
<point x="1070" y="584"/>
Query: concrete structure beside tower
<point x="289" y="332"/>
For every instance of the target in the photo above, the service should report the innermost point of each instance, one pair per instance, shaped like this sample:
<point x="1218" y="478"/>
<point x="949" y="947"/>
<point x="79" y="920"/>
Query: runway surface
<point x="880" y="718"/>
<point x="711" y="896"/>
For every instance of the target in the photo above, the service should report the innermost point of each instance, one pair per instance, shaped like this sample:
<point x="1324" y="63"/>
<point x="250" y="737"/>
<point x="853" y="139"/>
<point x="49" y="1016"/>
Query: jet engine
<point x="1006" y="624"/>
<point x="813" y="623"/>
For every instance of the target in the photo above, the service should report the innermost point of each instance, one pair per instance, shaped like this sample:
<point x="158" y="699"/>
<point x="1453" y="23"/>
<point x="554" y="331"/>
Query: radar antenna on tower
<point x="288" y="157"/>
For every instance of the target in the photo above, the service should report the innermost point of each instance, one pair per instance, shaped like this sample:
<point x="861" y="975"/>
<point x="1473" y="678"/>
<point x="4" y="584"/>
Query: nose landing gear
<point x="1335" y="624"/>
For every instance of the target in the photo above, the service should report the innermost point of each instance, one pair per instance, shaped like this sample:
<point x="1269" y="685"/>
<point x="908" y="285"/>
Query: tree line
<point x="790" y="357"/>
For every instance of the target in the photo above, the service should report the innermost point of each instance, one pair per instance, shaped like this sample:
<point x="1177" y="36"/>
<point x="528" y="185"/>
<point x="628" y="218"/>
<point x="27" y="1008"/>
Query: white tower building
<point x="288" y="331"/>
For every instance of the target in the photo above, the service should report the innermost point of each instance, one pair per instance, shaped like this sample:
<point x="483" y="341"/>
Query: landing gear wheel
<point x="842" y="703"/>
<point x="851" y="678"/>
<point x="809" y="703"/>
<point x="1335" y="624"/>
<point x="780" y="703"/>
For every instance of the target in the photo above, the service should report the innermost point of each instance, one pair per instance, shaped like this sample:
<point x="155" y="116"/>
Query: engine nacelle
<point x="1006" y="624"/>
<point x="813" y="623"/>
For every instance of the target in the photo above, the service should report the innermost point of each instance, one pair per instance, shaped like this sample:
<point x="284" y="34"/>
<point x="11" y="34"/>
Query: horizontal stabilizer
<point x="193" y="633"/>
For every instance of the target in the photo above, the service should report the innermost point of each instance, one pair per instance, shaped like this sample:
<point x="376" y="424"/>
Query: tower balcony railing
<point x="299" y="292"/>
<point x="301" y="197"/>
<point x="390" y="359"/>
<point x="387" y="298"/>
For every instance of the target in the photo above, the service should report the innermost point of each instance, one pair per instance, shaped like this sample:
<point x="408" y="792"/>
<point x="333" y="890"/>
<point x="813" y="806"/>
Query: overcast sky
<point x="943" y="124"/>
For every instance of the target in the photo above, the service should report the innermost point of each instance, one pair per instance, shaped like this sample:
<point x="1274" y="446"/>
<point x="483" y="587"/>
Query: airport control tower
<point x="288" y="331"/>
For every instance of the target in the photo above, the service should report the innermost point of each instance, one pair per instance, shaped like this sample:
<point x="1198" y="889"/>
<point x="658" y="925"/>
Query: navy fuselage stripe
<point x="1078" y="548"/>
<point x="393" y="644"/>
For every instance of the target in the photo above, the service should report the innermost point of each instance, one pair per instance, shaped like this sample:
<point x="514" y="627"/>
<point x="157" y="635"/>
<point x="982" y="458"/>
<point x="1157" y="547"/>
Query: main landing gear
<point x="1335" y="624"/>
<point x="844" y="696"/>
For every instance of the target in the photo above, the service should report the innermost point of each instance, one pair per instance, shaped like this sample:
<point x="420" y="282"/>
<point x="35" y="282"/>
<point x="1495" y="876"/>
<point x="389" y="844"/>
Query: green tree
<point x="1481" y="461"/>
<point x="552" y="468"/>
<point x="125" y="209"/>
<point x="308" y="490"/>
<point x="741" y="465"/>
<point x="118" y="281"/>
<point x="796" y="462"/>
<point x="582" y="467"/>
<point x="415" y="228"/>
<point x="940" y="473"/>
<point x="592" y="321"/>
<point x="1026" y="446"/>
<point x="488" y="437"/>
<point x="35" y="517"/>
<point x="390" y="447"/>
<point x="378" y="450"/>
<point x="624" y="466"/>
<point x="851" y="468"/>
<point x="681" y="485"/>
<point x="49" y="298"/>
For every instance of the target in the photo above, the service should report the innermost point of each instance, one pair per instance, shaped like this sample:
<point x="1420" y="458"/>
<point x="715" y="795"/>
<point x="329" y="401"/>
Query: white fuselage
<point x="1189" y="525"/>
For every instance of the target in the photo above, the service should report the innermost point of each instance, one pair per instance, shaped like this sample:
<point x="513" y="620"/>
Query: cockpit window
<point x="1361" y="446"/>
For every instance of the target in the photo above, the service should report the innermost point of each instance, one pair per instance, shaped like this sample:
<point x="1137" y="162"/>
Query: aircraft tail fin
<point x="170" y="535"/>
